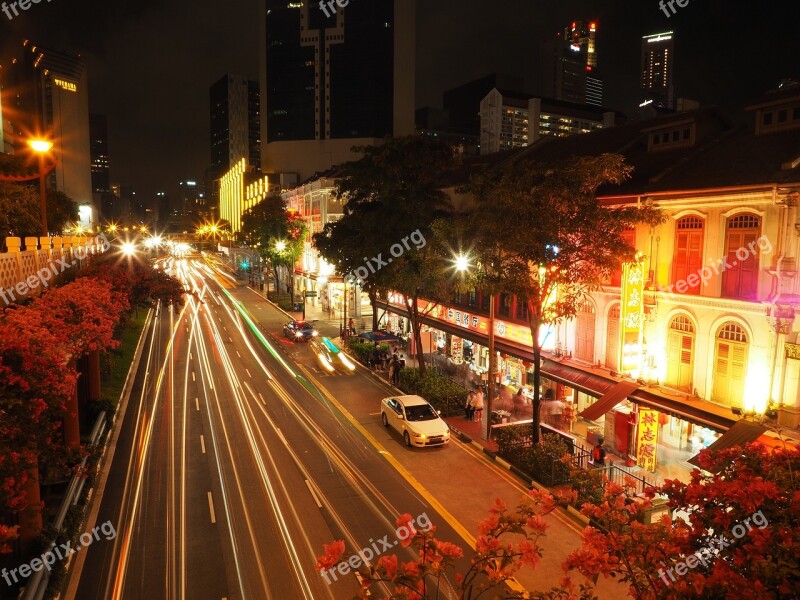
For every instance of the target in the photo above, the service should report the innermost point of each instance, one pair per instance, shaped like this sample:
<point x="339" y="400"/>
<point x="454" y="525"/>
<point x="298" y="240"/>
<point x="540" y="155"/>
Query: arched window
<point x="688" y="257"/>
<point x="680" y="353"/>
<point x="730" y="364"/>
<point x="584" y="331"/>
<point x="740" y="277"/>
<point x="612" y="338"/>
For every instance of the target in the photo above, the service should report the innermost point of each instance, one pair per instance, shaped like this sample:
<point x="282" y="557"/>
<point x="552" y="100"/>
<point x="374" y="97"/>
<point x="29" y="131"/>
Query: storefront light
<point x="756" y="388"/>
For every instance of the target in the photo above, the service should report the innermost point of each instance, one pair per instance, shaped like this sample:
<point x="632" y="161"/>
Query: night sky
<point x="151" y="61"/>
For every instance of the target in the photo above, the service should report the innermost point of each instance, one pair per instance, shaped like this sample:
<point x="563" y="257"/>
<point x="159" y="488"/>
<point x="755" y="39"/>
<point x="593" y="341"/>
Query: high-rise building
<point x="658" y="58"/>
<point x="101" y="180"/>
<point x="570" y="65"/>
<point x="463" y="103"/>
<point x="332" y="79"/>
<point x="512" y="119"/>
<point x="46" y="93"/>
<point x="235" y="122"/>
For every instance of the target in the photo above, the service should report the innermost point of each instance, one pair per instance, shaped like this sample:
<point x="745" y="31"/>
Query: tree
<point x="507" y="541"/>
<point x="542" y="232"/>
<point x="20" y="212"/>
<point x="392" y="195"/>
<point x="34" y="385"/>
<point x="278" y="233"/>
<point x="740" y="538"/>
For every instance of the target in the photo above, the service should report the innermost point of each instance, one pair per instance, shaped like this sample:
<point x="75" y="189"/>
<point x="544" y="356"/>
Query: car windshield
<point x="420" y="412"/>
<point x="305" y="326"/>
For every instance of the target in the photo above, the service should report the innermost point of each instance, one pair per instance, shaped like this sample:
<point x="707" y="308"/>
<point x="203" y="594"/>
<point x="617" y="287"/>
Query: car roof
<point x="411" y="400"/>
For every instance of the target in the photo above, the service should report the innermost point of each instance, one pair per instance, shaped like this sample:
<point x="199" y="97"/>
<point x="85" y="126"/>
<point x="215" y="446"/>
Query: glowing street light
<point x="280" y="246"/>
<point x="128" y="248"/>
<point x="462" y="263"/>
<point x="42" y="147"/>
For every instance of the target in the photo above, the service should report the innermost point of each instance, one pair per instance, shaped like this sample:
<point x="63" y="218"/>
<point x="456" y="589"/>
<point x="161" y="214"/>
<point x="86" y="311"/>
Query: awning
<point x="379" y="336"/>
<point x="609" y="400"/>
<point x="742" y="432"/>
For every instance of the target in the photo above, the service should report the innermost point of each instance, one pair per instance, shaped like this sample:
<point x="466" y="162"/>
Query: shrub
<point x="362" y="349"/>
<point x="542" y="462"/>
<point x="442" y="392"/>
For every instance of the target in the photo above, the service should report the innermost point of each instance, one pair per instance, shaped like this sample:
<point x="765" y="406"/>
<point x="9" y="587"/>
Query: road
<point x="234" y="465"/>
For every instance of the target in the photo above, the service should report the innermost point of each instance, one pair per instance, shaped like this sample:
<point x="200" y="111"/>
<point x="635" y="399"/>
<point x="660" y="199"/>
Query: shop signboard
<point x="632" y="316"/>
<point x="647" y="439"/>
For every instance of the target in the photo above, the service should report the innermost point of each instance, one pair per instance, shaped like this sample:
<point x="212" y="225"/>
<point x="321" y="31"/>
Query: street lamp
<point x="463" y="265"/>
<point x="42" y="147"/>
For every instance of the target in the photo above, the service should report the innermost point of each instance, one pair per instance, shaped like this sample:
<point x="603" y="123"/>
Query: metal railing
<point x="37" y="585"/>
<point x="618" y="475"/>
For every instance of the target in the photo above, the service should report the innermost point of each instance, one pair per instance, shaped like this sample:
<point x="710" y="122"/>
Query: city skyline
<point x="145" y="82"/>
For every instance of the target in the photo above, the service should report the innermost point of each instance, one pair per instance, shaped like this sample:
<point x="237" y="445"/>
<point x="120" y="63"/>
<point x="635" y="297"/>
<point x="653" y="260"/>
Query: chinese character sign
<point x="631" y="315"/>
<point x="647" y="439"/>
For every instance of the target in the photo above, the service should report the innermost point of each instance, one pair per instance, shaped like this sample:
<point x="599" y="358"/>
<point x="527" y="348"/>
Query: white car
<point x="416" y="420"/>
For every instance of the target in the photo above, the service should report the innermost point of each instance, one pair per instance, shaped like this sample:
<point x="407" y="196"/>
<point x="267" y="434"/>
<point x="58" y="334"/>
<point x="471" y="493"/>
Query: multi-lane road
<point x="233" y="464"/>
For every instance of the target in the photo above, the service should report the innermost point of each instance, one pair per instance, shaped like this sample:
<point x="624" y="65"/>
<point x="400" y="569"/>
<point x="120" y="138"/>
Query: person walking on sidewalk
<point x="469" y="406"/>
<point x="599" y="455"/>
<point x="478" y="402"/>
<point x="352" y="327"/>
<point x="394" y="365"/>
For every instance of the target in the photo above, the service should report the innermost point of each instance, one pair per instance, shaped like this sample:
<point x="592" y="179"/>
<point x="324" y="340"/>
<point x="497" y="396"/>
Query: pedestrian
<point x="375" y="358"/>
<point x="398" y="366"/>
<point x="599" y="454"/>
<point x="393" y="366"/>
<point x="384" y="359"/>
<point x="469" y="405"/>
<point x="352" y="327"/>
<point x="478" y="402"/>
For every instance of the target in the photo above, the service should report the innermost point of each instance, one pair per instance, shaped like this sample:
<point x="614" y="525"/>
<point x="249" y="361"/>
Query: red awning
<point x="609" y="400"/>
<point x="742" y="433"/>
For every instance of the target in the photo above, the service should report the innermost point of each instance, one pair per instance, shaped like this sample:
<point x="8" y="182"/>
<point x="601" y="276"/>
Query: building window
<point x="766" y="118"/>
<point x="522" y="310"/>
<point x="730" y="361"/>
<point x="472" y="298"/>
<point x="612" y="338"/>
<point x="688" y="257"/>
<point x="680" y="353"/>
<point x="584" y="331"/>
<point x="506" y="301"/>
<point x="740" y="277"/>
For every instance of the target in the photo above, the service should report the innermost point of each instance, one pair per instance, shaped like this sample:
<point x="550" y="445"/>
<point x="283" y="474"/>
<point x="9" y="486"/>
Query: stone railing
<point x="26" y="271"/>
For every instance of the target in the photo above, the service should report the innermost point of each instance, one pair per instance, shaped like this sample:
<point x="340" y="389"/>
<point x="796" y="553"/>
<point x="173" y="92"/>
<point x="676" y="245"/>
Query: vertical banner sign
<point x="647" y="439"/>
<point x="631" y="316"/>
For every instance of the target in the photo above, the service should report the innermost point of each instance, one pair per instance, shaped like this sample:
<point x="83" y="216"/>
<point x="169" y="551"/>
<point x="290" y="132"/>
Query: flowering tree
<point x="740" y="538"/>
<point x="34" y="384"/>
<point x="507" y="541"/>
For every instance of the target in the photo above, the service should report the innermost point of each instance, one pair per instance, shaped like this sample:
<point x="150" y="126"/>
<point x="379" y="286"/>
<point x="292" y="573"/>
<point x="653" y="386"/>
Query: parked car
<point x="330" y="357"/>
<point x="300" y="331"/>
<point x="416" y="420"/>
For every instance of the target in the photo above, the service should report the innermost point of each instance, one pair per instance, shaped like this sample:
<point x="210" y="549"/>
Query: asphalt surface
<point x="234" y="463"/>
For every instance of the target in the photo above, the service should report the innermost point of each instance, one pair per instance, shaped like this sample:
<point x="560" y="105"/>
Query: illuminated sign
<point x="659" y="37"/>
<point x="647" y="439"/>
<point x="519" y="334"/>
<point x="631" y="316"/>
<point x="67" y="85"/>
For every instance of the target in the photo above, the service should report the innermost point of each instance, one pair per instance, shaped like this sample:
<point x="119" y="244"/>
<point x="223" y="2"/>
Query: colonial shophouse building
<point x="718" y="291"/>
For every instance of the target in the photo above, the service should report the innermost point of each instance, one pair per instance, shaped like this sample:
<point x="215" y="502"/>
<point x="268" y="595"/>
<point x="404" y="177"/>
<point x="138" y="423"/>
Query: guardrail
<point x="37" y="585"/>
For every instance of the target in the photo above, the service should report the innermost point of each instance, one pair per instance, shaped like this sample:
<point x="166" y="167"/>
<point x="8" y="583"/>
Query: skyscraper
<point x="46" y="92"/>
<point x="235" y="122"/>
<point x="570" y="65"/>
<point x="332" y="79"/>
<point x="98" y="150"/>
<point x="658" y="58"/>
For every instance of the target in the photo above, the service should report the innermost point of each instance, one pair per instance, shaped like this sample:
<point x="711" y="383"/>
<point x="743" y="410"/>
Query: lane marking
<point x="377" y="414"/>
<point x="262" y="398"/>
<point x="193" y="379"/>
<point x="404" y="473"/>
<point x="237" y="354"/>
<point x="190" y="356"/>
<point x="197" y="403"/>
<point x="202" y="444"/>
<point x="313" y="494"/>
<point x="248" y="372"/>
<point x="211" y="508"/>
<point x="280" y="435"/>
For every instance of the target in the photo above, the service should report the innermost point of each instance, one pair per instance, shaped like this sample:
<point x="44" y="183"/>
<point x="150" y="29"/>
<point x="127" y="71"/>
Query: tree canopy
<point x="541" y="234"/>
<point x="20" y="214"/>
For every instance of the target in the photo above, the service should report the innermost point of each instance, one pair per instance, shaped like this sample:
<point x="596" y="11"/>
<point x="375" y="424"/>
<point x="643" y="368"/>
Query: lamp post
<point x="462" y="264"/>
<point x="42" y="147"/>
